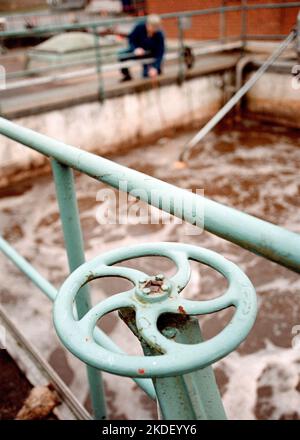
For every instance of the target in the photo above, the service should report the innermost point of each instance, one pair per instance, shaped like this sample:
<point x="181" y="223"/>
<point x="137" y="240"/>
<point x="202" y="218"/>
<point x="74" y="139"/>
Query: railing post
<point x="193" y="396"/>
<point x="244" y="19"/>
<point x="98" y="59"/>
<point x="298" y="36"/>
<point x="180" y="50"/>
<point x="66" y="197"/>
<point x="222" y="24"/>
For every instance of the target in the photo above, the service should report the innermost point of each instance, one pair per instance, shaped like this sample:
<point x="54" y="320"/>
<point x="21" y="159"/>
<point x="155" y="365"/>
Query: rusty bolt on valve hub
<point x="154" y="288"/>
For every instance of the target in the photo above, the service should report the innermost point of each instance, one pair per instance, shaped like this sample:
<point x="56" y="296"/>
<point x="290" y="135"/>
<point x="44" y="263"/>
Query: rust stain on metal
<point x="154" y="285"/>
<point x="181" y="310"/>
<point x="90" y="277"/>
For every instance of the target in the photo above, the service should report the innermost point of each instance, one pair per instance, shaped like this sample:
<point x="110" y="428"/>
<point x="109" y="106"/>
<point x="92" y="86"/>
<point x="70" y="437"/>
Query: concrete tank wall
<point x="276" y="98"/>
<point x="118" y="123"/>
<point x="126" y="121"/>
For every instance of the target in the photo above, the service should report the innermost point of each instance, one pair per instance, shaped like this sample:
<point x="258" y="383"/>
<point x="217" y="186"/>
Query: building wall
<point x="260" y="22"/>
<point x="16" y="5"/>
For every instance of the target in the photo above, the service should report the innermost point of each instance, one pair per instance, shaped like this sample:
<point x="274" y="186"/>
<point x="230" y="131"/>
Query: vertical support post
<point x="193" y="396"/>
<point x="98" y="59"/>
<point x="244" y="18"/>
<point x="66" y="197"/>
<point x="298" y="36"/>
<point x="180" y="50"/>
<point x="222" y="17"/>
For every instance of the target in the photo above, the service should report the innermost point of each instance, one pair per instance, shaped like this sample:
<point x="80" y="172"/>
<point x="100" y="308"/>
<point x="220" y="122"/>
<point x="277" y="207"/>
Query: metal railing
<point x="235" y="99"/>
<point x="258" y="236"/>
<point x="100" y="61"/>
<point x="110" y="23"/>
<point x="268" y="240"/>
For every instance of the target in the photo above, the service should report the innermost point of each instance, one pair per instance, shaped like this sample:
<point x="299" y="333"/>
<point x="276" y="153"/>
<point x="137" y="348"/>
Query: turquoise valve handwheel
<point x="150" y="297"/>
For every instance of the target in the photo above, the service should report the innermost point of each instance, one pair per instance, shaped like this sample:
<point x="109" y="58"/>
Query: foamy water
<point x="252" y="168"/>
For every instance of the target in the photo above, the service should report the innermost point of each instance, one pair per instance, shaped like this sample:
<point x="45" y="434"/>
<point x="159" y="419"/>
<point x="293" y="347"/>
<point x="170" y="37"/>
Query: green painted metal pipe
<point x="181" y="70"/>
<point x="193" y="396"/>
<point x="47" y="69"/>
<point x="69" y="214"/>
<point x="112" y="22"/>
<point x="37" y="279"/>
<point x="261" y="237"/>
<point x="170" y="15"/>
<point x="99" y="62"/>
<point x="50" y="291"/>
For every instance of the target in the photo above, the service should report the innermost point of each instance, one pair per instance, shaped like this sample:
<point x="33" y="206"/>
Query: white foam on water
<point x="273" y="369"/>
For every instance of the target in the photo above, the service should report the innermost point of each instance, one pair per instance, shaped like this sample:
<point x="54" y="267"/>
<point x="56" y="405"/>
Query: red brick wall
<point x="15" y="5"/>
<point x="259" y="22"/>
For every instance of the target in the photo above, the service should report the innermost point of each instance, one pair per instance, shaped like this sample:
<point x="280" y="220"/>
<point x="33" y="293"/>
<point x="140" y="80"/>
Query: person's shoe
<point x="125" y="79"/>
<point x="189" y="57"/>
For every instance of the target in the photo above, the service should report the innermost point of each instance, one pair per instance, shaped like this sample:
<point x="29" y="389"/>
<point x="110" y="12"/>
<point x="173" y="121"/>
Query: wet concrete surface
<point x="254" y="168"/>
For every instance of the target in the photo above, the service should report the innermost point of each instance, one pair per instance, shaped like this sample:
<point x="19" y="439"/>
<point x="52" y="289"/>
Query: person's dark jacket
<point x="154" y="46"/>
<point x="127" y="5"/>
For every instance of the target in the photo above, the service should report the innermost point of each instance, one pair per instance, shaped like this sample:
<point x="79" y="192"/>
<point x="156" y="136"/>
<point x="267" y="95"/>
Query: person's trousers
<point x="128" y="54"/>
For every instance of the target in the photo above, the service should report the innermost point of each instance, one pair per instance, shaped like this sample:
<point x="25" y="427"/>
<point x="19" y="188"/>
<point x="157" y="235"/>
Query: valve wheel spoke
<point x="88" y="322"/>
<point x="183" y="274"/>
<point x="128" y="273"/>
<point x="189" y="307"/>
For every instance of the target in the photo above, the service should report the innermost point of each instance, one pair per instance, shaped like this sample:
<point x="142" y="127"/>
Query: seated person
<point x="145" y="41"/>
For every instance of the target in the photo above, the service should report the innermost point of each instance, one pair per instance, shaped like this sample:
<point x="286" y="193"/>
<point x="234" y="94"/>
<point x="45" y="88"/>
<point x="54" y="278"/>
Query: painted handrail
<point x="273" y="242"/>
<point x="261" y="237"/>
<point x="266" y="239"/>
<point x="106" y="68"/>
<point x="94" y="25"/>
<point x="170" y="15"/>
